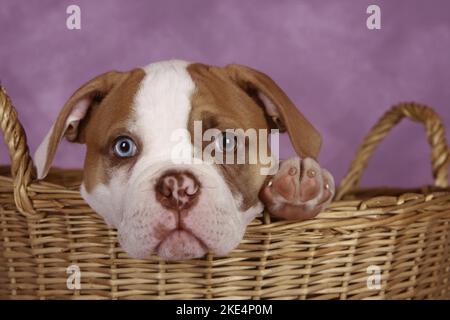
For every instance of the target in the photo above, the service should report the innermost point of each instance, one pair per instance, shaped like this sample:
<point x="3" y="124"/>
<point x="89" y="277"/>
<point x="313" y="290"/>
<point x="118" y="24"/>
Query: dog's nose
<point x="177" y="190"/>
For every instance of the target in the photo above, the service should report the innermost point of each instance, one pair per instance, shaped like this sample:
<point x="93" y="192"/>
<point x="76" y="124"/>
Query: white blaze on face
<point x="163" y="104"/>
<point x="128" y="202"/>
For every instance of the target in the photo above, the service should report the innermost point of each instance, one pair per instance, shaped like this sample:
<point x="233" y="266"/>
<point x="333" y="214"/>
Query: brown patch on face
<point x="219" y="103"/>
<point x="104" y="123"/>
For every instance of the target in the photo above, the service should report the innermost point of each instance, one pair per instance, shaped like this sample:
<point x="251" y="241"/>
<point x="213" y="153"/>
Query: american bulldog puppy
<point x="146" y="173"/>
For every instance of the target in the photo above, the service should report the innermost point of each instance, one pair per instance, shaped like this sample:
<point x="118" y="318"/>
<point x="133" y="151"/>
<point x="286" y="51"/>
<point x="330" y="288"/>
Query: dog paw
<point x="299" y="190"/>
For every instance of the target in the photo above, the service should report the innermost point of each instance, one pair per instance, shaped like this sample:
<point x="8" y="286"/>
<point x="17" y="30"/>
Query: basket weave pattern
<point x="45" y="227"/>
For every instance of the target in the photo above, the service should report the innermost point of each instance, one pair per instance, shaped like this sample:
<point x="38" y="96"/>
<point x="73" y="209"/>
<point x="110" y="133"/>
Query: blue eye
<point x="226" y="142"/>
<point x="124" y="147"/>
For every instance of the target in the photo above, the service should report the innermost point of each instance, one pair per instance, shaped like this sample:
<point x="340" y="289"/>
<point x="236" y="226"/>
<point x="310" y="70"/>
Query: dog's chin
<point x="180" y="245"/>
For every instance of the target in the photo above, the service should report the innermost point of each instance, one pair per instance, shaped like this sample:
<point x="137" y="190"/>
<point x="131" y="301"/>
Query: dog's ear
<point x="305" y="139"/>
<point x="69" y="122"/>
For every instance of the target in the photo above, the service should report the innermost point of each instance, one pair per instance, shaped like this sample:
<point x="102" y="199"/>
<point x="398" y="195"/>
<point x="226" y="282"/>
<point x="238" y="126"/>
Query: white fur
<point x="128" y="202"/>
<point x="162" y="105"/>
<point x="40" y="156"/>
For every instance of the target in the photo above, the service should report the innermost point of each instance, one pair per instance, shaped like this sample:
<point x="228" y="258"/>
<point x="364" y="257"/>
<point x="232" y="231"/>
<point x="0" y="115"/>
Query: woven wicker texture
<point x="45" y="227"/>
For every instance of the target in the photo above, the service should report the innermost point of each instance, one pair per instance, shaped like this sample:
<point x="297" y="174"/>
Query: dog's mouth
<point x="181" y="244"/>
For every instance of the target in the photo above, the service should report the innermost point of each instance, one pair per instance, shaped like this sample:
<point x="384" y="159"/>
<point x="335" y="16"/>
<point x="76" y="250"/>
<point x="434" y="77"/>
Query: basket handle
<point x="436" y="138"/>
<point x="22" y="169"/>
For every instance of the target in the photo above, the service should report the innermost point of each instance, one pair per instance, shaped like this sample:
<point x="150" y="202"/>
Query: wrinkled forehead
<point x="174" y="94"/>
<point x="160" y="102"/>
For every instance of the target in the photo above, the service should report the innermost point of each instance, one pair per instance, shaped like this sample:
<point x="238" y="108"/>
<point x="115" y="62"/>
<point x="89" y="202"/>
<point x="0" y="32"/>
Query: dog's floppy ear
<point x="74" y="111"/>
<point x="305" y="138"/>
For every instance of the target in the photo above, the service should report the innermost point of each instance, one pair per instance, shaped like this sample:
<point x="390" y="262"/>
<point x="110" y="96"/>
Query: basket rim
<point x="374" y="206"/>
<point x="23" y="171"/>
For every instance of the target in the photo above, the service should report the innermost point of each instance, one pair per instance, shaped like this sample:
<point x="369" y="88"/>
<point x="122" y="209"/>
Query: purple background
<point x="342" y="75"/>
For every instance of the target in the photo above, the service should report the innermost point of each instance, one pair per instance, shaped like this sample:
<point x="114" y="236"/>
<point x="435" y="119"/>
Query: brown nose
<point x="177" y="190"/>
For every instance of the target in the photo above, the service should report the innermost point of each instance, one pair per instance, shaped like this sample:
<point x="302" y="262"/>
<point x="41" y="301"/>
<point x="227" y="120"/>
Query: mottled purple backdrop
<point x="342" y="75"/>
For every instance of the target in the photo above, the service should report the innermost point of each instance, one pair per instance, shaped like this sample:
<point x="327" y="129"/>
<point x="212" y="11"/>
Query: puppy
<point x="160" y="200"/>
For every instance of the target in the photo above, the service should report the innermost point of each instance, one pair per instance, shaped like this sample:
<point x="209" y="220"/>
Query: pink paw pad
<point x="299" y="190"/>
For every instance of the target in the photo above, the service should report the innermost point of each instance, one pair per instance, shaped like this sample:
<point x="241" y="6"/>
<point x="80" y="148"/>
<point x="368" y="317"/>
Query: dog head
<point x="145" y="173"/>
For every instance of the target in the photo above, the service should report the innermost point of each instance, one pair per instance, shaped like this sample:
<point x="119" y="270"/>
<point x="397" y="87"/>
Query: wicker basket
<point x="401" y="237"/>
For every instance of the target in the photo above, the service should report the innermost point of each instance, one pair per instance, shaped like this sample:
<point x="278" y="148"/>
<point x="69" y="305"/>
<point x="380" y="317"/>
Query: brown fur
<point x="105" y="123"/>
<point x="305" y="139"/>
<point x="220" y="103"/>
<point x="225" y="98"/>
<point x="110" y="97"/>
